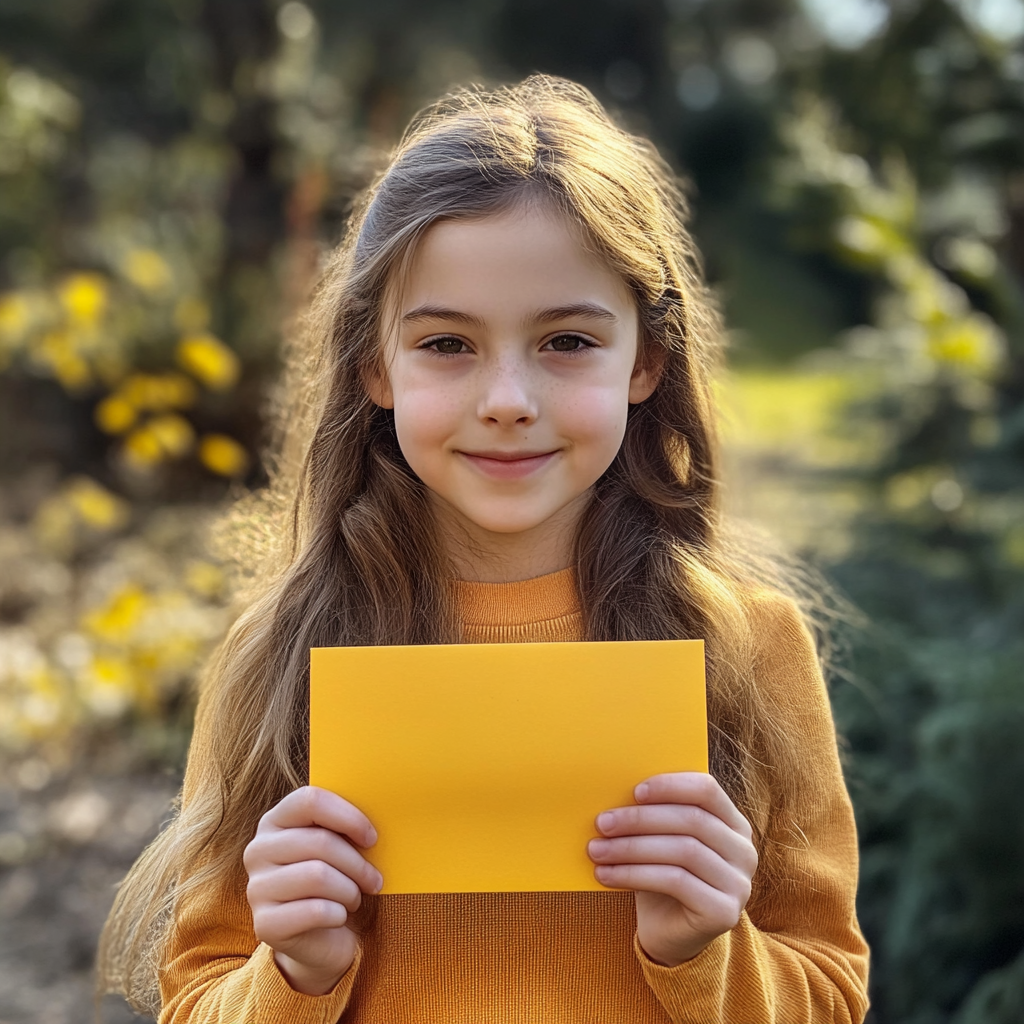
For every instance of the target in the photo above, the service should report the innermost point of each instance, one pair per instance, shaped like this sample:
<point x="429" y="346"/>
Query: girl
<point x="507" y="434"/>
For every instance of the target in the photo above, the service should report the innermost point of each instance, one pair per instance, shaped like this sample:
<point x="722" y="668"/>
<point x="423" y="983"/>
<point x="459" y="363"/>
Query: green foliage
<point x="997" y="999"/>
<point x="934" y="721"/>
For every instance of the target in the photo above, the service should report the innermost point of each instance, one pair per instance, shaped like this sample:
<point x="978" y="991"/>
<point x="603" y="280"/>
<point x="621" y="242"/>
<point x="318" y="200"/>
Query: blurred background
<point x="172" y="170"/>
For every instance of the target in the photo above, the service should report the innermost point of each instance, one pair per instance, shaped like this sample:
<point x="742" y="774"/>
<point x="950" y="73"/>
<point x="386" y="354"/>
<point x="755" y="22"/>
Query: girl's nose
<point x="507" y="398"/>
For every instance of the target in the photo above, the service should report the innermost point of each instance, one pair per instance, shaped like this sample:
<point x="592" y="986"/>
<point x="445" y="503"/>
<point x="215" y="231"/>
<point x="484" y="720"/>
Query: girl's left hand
<point x="687" y="852"/>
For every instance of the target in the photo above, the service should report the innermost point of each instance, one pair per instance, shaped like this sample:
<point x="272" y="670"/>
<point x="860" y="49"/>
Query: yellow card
<point x="483" y="766"/>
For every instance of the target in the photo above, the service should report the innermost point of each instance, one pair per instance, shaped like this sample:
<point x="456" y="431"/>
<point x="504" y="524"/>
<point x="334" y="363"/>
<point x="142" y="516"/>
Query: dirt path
<point x="64" y="844"/>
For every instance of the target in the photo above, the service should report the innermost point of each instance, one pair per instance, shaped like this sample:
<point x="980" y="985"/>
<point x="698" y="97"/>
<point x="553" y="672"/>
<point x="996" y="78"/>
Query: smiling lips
<point x="508" y="465"/>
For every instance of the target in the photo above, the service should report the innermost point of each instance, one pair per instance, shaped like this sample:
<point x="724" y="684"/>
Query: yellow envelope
<point x="483" y="766"/>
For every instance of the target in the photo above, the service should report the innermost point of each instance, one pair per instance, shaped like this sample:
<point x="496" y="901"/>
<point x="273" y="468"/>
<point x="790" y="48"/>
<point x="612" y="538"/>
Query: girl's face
<point x="510" y="367"/>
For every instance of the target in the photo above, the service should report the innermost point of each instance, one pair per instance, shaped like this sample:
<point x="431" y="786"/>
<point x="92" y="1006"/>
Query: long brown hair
<point x="651" y="557"/>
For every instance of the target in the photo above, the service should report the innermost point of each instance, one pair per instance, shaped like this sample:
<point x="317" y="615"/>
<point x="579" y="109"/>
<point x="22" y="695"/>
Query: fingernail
<point x="373" y="835"/>
<point x="380" y="883"/>
<point x="641" y="791"/>
<point x="605" y="821"/>
<point x="598" y="846"/>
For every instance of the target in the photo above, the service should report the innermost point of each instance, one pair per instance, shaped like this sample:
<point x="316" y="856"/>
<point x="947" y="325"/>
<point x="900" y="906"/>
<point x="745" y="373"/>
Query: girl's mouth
<point x="508" y="465"/>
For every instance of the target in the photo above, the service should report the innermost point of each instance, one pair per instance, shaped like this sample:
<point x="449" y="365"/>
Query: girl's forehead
<point x="526" y="254"/>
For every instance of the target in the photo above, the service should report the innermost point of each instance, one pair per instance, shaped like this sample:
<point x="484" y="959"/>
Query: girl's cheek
<point x="424" y="420"/>
<point x="430" y="396"/>
<point x="597" y="415"/>
<point x="427" y="408"/>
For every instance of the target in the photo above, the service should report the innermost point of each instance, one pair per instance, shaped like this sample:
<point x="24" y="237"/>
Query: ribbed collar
<point x="518" y="604"/>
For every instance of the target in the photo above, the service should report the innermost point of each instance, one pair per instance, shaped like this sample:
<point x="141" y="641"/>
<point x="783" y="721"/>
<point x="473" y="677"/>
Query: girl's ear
<point x="646" y="373"/>
<point x="378" y="387"/>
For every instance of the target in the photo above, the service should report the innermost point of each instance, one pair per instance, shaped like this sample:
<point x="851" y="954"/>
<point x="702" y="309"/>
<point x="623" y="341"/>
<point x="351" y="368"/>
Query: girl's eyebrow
<point x="431" y="312"/>
<point x="572" y="311"/>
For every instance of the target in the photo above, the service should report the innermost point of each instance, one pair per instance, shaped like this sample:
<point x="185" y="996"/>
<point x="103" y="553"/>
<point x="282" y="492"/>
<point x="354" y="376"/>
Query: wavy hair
<point x="652" y="558"/>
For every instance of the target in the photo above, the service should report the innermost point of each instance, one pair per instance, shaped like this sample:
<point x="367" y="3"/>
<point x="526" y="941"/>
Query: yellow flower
<point x="930" y="298"/>
<point x="174" y="433"/>
<point x="114" y="415"/>
<point x="15" y="317"/>
<point x="223" y="455"/>
<point x="119" y="617"/>
<point x="162" y="437"/>
<point x="57" y="351"/>
<point x="142" y="448"/>
<point x="84" y="298"/>
<point x="158" y="392"/>
<point x="209" y="359"/>
<point x="147" y="270"/>
<point x="869" y="240"/>
<point x="108" y="686"/>
<point x="81" y="503"/>
<point x="95" y="505"/>
<point x="968" y="342"/>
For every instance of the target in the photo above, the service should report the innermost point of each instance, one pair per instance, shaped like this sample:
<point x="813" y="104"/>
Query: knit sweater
<point x="570" y="957"/>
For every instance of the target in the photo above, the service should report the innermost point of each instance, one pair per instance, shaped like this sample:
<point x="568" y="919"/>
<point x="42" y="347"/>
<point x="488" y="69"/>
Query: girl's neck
<point x="482" y="556"/>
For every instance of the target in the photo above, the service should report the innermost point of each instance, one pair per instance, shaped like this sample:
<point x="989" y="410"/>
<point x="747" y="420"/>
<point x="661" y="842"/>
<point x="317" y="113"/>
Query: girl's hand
<point x="687" y="852"/>
<point x="305" y="877"/>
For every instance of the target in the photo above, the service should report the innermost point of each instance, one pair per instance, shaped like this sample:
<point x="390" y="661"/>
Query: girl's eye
<point x="446" y="346"/>
<point x="569" y="343"/>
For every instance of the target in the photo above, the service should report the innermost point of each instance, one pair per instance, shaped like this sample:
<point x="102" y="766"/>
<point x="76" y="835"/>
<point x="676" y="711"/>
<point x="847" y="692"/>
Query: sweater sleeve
<point x="215" y="970"/>
<point x="219" y="973"/>
<point x="797" y="953"/>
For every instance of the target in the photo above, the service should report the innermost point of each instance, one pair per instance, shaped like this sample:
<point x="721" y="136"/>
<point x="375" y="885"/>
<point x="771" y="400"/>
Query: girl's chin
<point x="503" y="515"/>
<point x="504" y="522"/>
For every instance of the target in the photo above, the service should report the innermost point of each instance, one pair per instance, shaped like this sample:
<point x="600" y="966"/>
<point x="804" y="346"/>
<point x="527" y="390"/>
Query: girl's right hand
<point x="305" y="877"/>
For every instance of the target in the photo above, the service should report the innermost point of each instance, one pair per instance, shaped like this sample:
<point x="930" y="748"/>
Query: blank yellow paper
<point x="483" y="766"/>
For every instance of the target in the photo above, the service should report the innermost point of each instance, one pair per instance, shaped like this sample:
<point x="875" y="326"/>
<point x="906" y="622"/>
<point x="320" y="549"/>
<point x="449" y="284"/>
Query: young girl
<point x="508" y="436"/>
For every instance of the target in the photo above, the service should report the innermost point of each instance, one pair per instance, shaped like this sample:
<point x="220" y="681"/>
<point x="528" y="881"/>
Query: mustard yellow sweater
<point x="570" y="958"/>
